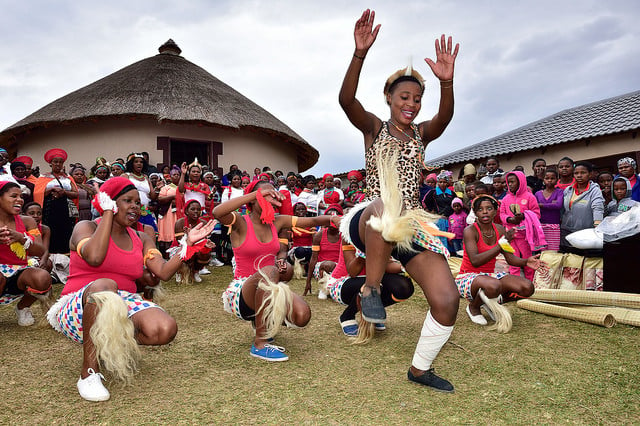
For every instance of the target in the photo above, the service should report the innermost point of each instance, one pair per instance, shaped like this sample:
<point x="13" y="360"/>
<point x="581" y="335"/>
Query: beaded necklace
<point x="402" y="131"/>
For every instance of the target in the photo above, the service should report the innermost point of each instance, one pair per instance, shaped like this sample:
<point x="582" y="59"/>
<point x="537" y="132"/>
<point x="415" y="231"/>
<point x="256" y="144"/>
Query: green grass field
<point x="546" y="370"/>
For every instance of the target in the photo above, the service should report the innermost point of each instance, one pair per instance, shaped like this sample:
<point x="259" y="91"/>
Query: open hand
<point x="534" y="262"/>
<point x="364" y="33"/>
<point x="442" y="68"/>
<point x="200" y="231"/>
<point x="183" y="168"/>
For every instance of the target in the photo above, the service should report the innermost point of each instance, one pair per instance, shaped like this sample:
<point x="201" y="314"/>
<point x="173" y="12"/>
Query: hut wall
<point x="118" y="137"/>
<point x="578" y="150"/>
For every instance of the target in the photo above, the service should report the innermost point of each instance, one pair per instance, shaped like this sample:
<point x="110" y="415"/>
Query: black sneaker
<point x="430" y="379"/>
<point x="372" y="307"/>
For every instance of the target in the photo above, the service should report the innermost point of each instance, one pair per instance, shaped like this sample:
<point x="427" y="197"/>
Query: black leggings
<point x="394" y="288"/>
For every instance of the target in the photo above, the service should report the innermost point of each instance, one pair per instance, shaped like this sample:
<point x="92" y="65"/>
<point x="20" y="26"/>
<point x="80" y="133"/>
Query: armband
<point x="151" y="254"/>
<point x="28" y="241"/>
<point x="235" y="217"/>
<point x="294" y="220"/>
<point x="81" y="244"/>
<point x="348" y="247"/>
<point x="315" y="248"/>
<point x="283" y="240"/>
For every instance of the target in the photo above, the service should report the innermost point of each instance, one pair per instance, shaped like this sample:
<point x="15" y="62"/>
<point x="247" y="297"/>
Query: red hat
<point x="356" y="174"/>
<point x="28" y="161"/>
<point x="55" y="153"/>
<point x="327" y="176"/>
<point x="114" y="187"/>
<point x="336" y="207"/>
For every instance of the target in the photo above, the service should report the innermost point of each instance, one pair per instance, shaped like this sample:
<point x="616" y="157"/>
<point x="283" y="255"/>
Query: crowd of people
<point x="111" y="232"/>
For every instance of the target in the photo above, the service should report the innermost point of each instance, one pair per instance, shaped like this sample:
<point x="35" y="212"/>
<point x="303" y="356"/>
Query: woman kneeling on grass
<point x="253" y="295"/>
<point x="19" y="237"/>
<point x="99" y="306"/>
<point x="477" y="277"/>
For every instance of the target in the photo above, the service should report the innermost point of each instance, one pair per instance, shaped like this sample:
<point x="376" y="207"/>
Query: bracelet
<point x="446" y="81"/>
<point x="447" y="87"/>
<point x="359" y="57"/>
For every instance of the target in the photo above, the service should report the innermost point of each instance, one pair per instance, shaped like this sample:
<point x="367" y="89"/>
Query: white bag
<point x="586" y="239"/>
<point x="624" y="225"/>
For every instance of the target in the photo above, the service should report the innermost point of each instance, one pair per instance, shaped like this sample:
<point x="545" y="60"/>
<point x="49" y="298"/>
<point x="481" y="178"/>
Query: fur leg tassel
<point x="112" y="334"/>
<point x="298" y="270"/>
<point x="366" y="331"/>
<point x="276" y="306"/>
<point x="46" y="301"/>
<point x="503" y="318"/>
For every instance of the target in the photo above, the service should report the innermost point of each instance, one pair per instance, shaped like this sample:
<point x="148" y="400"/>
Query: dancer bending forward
<point x="255" y="293"/>
<point x="99" y="307"/>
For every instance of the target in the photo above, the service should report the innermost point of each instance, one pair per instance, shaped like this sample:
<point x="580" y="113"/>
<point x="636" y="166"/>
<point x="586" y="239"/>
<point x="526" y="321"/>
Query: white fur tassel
<point x="276" y="306"/>
<point x="503" y="318"/>
<point x="106" y="203"/>
<point x="112" y="334"/>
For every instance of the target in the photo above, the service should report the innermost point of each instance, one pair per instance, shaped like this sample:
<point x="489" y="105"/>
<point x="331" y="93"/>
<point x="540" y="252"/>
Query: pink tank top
<point x="490" y="266"/>
<point x="252" y="255"/>
<point x="7" y="256"/>
<point x="122" y="266"/>
<point x="329" y="251"/>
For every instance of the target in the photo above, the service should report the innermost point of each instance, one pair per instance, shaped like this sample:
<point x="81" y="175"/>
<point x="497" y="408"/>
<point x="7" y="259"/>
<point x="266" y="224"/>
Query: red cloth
<point x="7" y="256"/>
<point x="286" y="207"/>
<point x="252" y="254"/>
<point x="55" y="153"/>
<point x="328" y="250"/>
<point x="122" y="266"/>
<point x="488" y="267"/>
<point x="28" y="161"/>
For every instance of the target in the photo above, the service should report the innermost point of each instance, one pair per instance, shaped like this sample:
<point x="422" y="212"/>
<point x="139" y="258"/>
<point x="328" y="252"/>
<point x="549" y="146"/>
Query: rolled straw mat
<point x="585" y="297"/>
<point x="598" y="318"/>
<point x="622" y="315"/>
<point x="454" y="265"/>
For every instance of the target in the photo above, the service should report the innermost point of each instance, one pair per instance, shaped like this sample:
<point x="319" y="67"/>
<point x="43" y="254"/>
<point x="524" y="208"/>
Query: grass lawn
<point x="546" y="370"/>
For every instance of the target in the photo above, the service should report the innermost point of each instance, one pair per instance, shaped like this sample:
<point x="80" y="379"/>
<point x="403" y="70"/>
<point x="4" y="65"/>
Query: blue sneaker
<point x="269" y="353"/>
<point x="381" y="327"/>
<point x="350" y="328"/>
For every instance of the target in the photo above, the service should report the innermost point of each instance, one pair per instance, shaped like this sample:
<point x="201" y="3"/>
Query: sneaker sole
<point x="369" y="319"/>
<point x="269" y="359"/>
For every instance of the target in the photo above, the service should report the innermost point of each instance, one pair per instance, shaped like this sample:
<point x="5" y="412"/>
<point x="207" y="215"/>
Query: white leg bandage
<point x="432" y="338"/>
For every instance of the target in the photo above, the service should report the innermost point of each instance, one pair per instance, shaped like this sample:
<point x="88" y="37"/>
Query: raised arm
<point x="442" y="68"/>
<point x="365" y="35"/>
<point x="183" y="172"/>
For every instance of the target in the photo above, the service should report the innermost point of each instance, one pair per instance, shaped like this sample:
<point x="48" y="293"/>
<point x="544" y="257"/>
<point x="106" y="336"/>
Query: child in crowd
<point x="457" y="223"/>
<point x="469" y="195"/>
<point x="192" y="266"/>
<point x="499" y="187"/>
<point x="605" y="180"/>
<point x="622" y="201"/>
<point x="550" y="200"/>
<point x="519" y="211"/>
<point x="325" y="251"/>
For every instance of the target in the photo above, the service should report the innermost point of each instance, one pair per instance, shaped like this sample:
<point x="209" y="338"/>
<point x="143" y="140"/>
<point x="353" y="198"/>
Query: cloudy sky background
<point x="519" y="61"/>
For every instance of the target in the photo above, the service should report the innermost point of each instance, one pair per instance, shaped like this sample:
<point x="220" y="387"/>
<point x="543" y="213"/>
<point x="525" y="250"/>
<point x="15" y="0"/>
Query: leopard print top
<point x="410" y="165"/>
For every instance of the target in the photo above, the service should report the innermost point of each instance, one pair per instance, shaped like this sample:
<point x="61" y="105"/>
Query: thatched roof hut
<point x="167" y="89"/>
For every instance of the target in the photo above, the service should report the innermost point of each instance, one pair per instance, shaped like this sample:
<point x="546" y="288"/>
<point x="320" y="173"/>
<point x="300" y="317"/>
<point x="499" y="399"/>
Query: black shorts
<point x="11" y="287"/>
<point x="403" y="256"/>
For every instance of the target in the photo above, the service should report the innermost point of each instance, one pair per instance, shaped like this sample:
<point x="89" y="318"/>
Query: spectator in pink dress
<point x="550" y="200"/>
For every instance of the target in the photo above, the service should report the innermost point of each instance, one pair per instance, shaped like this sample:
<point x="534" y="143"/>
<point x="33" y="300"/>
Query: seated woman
<point x="481" y="248"/>
<point x="34" y="210"/>
<point x="192" y="266"/>
<point x="99" y="307"/>
<point x="19" y="237"/>
<point x="347" y="279"/>
<point x="253" y="295"/>
<point x="325" y="251"/>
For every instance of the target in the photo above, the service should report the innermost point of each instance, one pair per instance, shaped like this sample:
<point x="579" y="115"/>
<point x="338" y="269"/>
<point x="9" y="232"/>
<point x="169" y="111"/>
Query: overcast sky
<point x="519" y="61"/>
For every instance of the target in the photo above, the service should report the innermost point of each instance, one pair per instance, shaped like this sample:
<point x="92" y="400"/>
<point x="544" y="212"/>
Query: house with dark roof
<point x="169" y="107"/>
<point x="600" y="132"/>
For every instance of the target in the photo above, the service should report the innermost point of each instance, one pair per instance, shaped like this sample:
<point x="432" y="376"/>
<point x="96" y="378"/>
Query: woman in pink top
<point x="253" y="295"/>
<point x="99" y="306"/>
<point x="478" y="262"/>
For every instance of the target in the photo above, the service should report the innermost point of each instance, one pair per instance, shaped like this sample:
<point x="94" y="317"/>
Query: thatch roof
<point x="168" y="88"/>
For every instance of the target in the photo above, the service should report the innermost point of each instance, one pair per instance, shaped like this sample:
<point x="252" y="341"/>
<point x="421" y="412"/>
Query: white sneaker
<point x="178" y="277"/>
<point x="91" y="387"/>
<point x="25" y="317"/>
<point x="215" y="262"/>
<point x="477" y="319"/>
<point x="204" y="271"/>
<point x="196" y="278"/>
<point x="322" y="295"/>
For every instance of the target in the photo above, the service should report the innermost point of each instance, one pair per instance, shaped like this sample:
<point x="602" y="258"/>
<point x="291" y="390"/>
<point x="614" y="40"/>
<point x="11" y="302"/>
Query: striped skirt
<point x="552" y="235"/>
